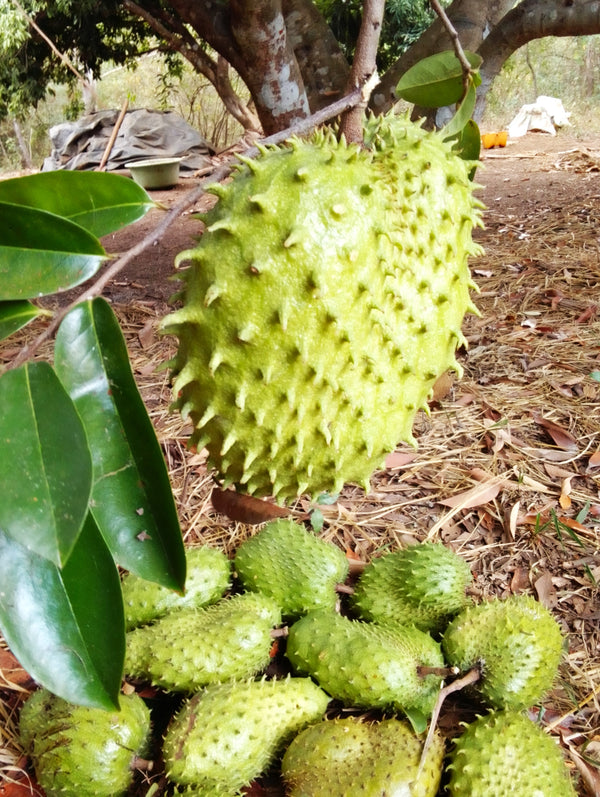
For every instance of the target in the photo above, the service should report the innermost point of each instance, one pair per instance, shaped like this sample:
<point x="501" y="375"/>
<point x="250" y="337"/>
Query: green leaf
<point x="66" y="627"/>
<point x="15" y="315"/>
<point x="436" y="81"/>
<point x="132" y="500"/>
<point x="468" y="145"/>
<point x="462" y="115"/>
<point x="97" y="201"/>
<point x="41" y="253"/>
<point x="45" y="466"/>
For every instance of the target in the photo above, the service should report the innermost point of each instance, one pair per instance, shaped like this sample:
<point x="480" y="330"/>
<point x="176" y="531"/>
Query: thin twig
<point x="452" y="32"/>
<point x="472" y="676"/>
<point x="299" y="128"/>
<point x="64" y="58"/>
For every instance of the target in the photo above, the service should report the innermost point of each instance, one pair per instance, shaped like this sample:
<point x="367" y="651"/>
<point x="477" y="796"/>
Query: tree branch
<point x="300" y="128"/>
<point x="64" y="58"/>
<point x="364" y="65"/>
<point x="470" y="19"/>
<point x="533" y="19"/>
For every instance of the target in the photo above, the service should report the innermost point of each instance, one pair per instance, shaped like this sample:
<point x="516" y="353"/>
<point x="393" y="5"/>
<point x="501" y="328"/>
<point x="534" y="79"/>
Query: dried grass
<point x="517" y="439"/>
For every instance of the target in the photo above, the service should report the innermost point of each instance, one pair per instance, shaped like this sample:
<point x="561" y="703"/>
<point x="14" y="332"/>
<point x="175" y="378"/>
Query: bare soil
<point x="507" y="472"/>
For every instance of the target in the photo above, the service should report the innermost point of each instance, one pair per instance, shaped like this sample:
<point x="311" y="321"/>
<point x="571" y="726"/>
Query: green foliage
<point x="403" y="23"/>
<point x="83" y="484"/>
<point x="88" y="33"/>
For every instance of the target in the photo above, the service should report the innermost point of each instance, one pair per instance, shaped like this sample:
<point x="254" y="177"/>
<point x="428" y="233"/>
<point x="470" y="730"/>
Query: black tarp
<point x="143" y="134"/>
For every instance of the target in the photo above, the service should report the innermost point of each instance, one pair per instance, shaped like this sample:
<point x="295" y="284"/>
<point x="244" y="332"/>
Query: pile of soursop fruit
<point x="318" y="309"/>
<point x="342" y="707"/>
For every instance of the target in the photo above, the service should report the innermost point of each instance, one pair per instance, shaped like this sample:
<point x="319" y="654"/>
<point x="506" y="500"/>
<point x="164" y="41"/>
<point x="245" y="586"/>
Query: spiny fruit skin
<point x="208" y="578"/>
<point x="320" y="307"/>
<point x="422" y="585"/>
<point x="225" y="736"/>
<point x="79" y="751"/>
<point x="518" y="644"/>
<point x="367" y="665"/>
<point x="292" y="566"/>
<point x="189" y="648"/>
<point x="342" y="757"/>
<point x="505" y="754"/>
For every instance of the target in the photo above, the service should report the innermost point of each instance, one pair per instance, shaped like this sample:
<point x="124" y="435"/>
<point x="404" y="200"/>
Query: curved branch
<point x="470" y="19"/>
<point x="178" y="38"/>
<point x="533" y="19"/>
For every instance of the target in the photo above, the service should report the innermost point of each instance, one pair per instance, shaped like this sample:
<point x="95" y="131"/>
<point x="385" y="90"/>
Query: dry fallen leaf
<point x="565" y="494"/>
<point x="245" y="508"/>
<point x="594" y="460"/>
<point x="561" y="437"/>
<point x="477" y="496"/>
<point x="398" y="459"/>
<point x="545" y="590"/>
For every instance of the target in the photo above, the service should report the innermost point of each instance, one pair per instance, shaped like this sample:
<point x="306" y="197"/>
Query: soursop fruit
<point x="78" y="751"/>
<point x="321" y="304"/>
<point x="292" y="566"/>
<point x="227" y="735"/>
<point x="341" y="757"/>
<point x="505" y="754"/>
<point x="367" y="665"/>
<point x="189" y="648"/>
<point x="422" y="585"/>
<point x="208" y="577"/>
<point x="517" y="643"/>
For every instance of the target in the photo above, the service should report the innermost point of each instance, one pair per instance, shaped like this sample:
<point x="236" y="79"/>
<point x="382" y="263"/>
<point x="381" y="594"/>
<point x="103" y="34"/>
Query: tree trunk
<point x="533" y="19"/>
<point x="282" y="49"/>
<point x="271" y="71"/>
<point x="26" y="161"/>
<point x="324" y="68"/>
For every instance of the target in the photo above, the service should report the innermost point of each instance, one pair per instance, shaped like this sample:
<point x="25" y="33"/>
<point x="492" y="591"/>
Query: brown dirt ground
<point x="508" y="466"/>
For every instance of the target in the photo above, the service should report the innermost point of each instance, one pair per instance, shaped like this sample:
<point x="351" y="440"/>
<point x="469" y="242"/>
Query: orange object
<point x="490" y="140"/>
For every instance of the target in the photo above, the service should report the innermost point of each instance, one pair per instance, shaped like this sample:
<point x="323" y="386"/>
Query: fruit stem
<point x="471" y="677"/>
<point x="143" y="764"/>
<point x="344" y="589"/>
<point x="277" y="633"/>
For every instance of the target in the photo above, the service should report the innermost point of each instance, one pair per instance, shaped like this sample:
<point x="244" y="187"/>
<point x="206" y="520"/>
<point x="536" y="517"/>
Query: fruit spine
<point x="321" y="304"/>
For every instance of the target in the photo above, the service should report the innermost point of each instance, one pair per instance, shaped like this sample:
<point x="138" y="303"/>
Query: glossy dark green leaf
<point x="15" y="315"/>
<point x="41" y="253"/>
<point x="436" y="81"/>
<point x="468" y="144"/>
<point x="132" y="500"/>
<point x="45" y="462"/>
<point x="462" y="115"/>
<point x="98" y="201"/>
<point x="66" y="627"/>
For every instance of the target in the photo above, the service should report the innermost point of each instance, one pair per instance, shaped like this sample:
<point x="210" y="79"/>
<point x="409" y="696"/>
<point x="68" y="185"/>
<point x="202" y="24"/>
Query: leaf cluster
<point x="83" y="484"/>
<point x="88" y="33"/>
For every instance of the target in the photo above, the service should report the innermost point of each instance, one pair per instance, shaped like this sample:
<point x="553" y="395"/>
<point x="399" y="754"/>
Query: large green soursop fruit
<point x="321" y="304"/>
<point x="78" y="751"/>
<point x="504" y="754"/>
<point x="343" y="757"/>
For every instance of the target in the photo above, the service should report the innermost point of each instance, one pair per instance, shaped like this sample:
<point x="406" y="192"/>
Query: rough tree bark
<point x="272" y="73"/>
<point x="533" y="19"/>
